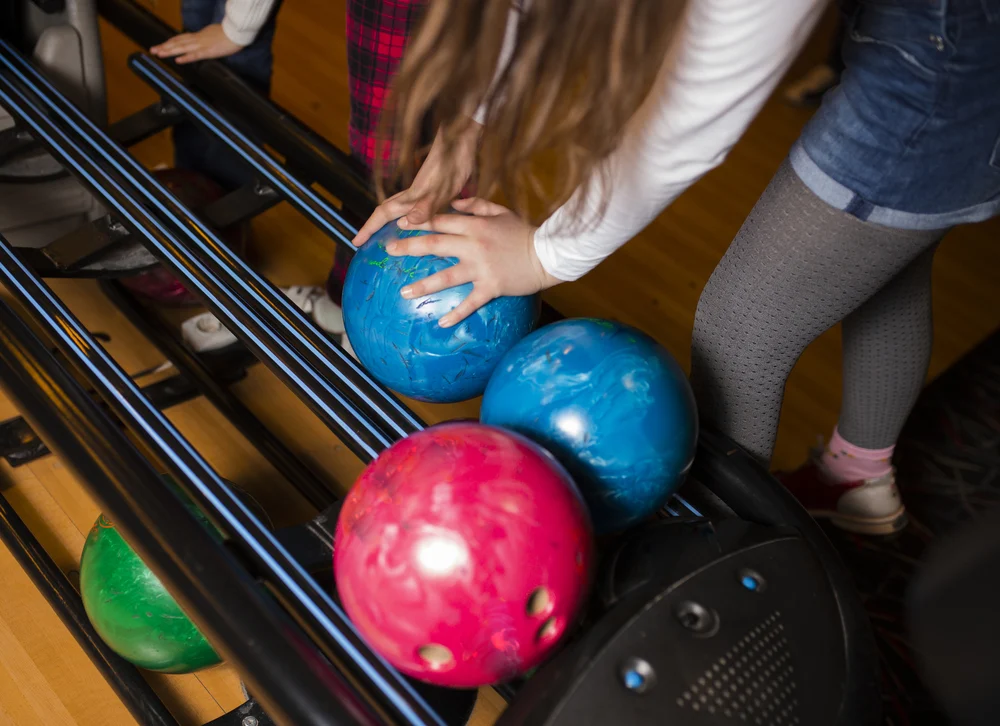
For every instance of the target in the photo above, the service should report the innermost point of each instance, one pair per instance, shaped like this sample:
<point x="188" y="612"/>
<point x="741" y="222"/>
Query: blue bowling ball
<point x="400" y="342"/>
<point x="610" y="403"/>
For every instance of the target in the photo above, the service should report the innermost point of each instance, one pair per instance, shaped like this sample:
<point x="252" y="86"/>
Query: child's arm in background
<point x="240" y="25"/>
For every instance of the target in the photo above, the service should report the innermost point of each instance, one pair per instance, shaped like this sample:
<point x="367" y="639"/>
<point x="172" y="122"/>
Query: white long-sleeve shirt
<point x="726" y="59"/>
<point x="724" y="62"/>
<point x="244" y="19"/>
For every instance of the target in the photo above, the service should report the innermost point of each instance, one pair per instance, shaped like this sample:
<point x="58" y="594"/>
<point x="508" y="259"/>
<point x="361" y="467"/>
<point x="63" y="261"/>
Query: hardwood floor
<point x="653" y="282"/>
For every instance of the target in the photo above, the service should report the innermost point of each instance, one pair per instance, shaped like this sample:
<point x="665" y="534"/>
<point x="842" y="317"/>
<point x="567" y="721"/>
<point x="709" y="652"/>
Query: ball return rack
<point x="733" y="608"/>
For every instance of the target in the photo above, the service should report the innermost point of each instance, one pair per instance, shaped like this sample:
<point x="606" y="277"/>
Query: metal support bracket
<point x="144" y="123"/>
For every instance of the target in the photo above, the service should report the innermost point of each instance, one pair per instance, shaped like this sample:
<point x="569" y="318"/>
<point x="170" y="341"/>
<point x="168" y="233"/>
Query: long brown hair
<point x="579" y="71"/>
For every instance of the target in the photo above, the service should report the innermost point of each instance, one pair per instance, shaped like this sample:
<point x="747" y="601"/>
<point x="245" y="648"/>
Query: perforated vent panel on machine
<point x="753" y="682"/>
<point x="750" y="637"/>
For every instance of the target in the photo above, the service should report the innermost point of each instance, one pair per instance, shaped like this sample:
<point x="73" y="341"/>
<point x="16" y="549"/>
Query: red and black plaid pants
<point x="377" y="34"/>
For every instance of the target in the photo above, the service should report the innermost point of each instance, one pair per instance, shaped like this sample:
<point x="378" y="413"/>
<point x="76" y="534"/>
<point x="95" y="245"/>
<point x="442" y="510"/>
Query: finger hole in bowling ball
<point x="539" y="602"/>
<point x="436" y="656"/>
<point x="550" y="630"/>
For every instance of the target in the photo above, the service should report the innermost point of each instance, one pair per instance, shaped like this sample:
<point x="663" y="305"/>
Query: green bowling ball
<point x="132" y="610"/>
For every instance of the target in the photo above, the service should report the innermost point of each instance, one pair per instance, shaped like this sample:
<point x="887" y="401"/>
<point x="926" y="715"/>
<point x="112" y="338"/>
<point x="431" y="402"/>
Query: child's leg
<point x="195" y="150"/>
<point x="796" y="268"/>
<point x="887" y="349"/>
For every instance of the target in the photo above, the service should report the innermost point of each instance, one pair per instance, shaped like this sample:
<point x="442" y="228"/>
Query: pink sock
<point x="844" y="462"/>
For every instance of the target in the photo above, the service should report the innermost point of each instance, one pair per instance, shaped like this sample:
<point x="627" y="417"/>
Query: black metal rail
<point x="313" y="487"/>
<point x="315" y="610"/>
<point x="251" y="307"/>
<point x="288" y="322"/>
<point x="141" y="701"/>
<point x="299" y="194"/>
<point x="89" y="158"/>
<point x="19" y="445"/>
<point x="201" y="573"/>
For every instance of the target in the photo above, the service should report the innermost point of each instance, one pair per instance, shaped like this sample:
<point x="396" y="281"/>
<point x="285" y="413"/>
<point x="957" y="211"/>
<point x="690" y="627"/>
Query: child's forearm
<point x="725" y="62"/>
<point x="245" y="18"/>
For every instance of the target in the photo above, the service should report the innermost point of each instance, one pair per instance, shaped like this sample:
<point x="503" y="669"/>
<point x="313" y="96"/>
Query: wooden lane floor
<point x="653" y="282"/>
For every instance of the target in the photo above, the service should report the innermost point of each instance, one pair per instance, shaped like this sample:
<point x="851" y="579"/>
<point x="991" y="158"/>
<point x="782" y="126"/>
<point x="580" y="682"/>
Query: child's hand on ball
<point x="495" y="250"/>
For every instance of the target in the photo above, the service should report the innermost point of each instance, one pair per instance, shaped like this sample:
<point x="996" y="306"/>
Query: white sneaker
<point x="205" y="332"/>
<point x="868" y="506"/>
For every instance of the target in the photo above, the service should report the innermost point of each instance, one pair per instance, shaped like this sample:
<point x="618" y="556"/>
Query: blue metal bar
<point x="686" y="504"/>
<point x="300" y="195"/>
<point x="301" y="593"/>
<point x="200" y="571"/>
<point x="396" y="420"/>
<point x="315" y="609"/>
<point x="325" y="400"/>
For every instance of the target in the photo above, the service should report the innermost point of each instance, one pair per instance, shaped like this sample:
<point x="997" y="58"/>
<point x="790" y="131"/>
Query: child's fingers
<point x="175" y="46"/>
<point x="196" y="55"/>
<point x="475" y="300"/>
<point x="420" y="212"/>
<point x="478" y="207"/>
<point x="439" y="245"/>
<point x="448" y="278"/>
<point x="393" y="207"/>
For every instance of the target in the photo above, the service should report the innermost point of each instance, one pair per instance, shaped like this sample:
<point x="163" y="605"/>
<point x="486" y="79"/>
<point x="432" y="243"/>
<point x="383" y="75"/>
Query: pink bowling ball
<point x="463" y="555"/>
